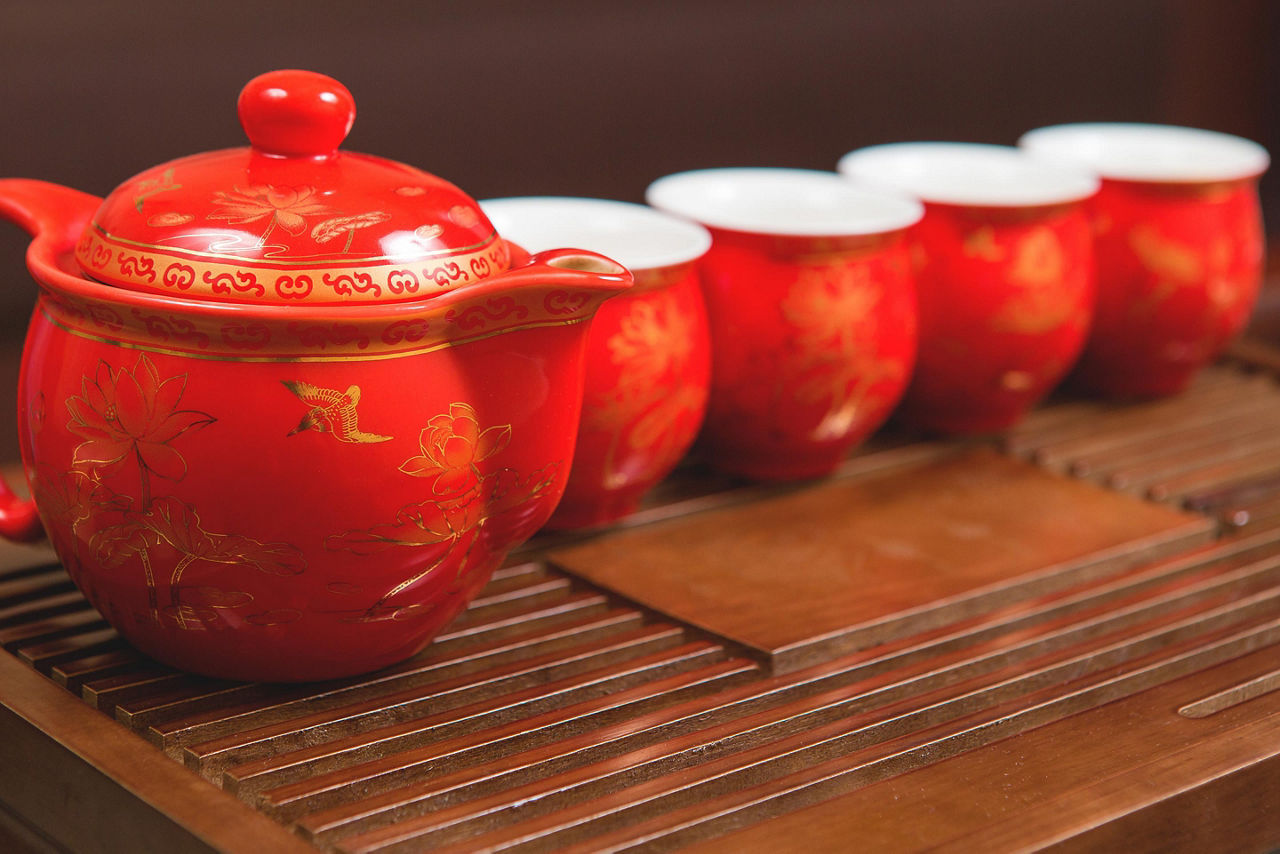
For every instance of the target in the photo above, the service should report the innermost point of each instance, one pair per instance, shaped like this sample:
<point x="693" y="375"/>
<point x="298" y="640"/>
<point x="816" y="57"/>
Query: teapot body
<point x="282" y="495"/>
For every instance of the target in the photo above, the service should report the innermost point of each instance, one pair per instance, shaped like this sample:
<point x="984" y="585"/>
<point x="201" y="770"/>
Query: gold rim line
<point x="290" y="264"/>
<point x="346" y="357"/>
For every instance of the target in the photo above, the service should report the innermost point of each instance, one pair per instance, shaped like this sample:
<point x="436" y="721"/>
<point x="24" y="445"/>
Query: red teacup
<point x="648" y="358"/>
<point x="812" y="313"/>
<point x="1003" y="264"/>
<point x="1179" y="246"/>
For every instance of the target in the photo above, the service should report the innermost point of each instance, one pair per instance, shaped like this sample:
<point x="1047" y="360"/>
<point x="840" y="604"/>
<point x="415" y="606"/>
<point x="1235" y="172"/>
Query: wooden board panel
<point x="855" y="562"/>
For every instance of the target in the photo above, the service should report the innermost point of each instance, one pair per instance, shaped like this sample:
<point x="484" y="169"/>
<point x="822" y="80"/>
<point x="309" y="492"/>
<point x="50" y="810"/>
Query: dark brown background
<point x="599" y="98"/>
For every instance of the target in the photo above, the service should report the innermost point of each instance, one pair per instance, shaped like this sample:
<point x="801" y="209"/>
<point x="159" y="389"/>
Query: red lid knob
<point x="296" y="113"/>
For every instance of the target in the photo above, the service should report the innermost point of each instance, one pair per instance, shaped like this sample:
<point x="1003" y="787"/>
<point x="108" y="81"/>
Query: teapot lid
<point x="291" y="218"/>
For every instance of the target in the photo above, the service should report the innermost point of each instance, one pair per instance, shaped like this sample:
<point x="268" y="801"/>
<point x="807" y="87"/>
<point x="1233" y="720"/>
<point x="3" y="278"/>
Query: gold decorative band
<point x="187" y="274"/>
<point x="219" y="338"/>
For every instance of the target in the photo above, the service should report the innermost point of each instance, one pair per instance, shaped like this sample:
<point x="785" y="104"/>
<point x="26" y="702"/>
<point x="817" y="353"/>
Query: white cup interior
<point x="964" y="173"/>
<point x="1143" y="152"/>
<point x="789" y="202"/>
<point x="636" y="236"/>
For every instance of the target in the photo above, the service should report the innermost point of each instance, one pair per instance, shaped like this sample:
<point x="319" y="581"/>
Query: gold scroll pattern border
<point x="222" y="339"/>
<point x="107" y="259"/>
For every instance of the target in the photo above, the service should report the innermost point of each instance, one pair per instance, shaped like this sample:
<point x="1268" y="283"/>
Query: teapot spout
<point x="555" y="288"/>
<point x="577" y="272"/>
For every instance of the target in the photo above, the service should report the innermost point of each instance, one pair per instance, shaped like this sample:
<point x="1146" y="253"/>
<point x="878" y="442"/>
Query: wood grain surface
<point x="858" y="561"/>
<point x="1029" y="791"/>
<point x="945" y="648"/>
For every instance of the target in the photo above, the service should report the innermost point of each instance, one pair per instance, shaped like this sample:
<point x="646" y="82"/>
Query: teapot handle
<point x="47" y="212"/>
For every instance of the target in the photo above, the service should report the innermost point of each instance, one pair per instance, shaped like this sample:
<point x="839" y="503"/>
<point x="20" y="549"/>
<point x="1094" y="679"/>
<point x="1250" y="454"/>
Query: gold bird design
<point x="332" y="412"/>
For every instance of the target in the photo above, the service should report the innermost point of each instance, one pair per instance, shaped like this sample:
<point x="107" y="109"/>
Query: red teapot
<point x="284" y="408"/>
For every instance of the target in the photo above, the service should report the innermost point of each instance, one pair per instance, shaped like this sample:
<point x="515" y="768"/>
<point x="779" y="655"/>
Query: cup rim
<point x="968" y="174"/>
<point x="782" y="202"/>
<point x="636" y="236"/>
<point x="1132" y="151"/>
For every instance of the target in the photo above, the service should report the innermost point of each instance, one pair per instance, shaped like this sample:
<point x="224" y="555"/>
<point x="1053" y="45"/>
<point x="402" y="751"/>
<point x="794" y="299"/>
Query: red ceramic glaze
<point x="812" y="311"/>
<point x="648" y="372"/>
<point x="648" y="353"/>
<point x="1179" y="268"/>
<point x="1003" y="266"/>
<point x="814" y="342"/>
<point x="1179" y="245"/>
<point x="1006" y="297"/>
<point x="291" y="491"/>
<point x="290" y="219"/>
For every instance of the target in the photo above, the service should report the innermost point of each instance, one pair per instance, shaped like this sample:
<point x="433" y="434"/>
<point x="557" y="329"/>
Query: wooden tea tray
<point x="1070" y="636"/>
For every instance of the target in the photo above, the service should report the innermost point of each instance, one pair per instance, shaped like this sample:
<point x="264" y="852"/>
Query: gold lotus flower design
<point x="286" y="207"/>
<point x="452" y="444"/>
<point x="832" y="313"/>
<point x="473" y="514"/>
<point x="829" y="308"/>
<point x="127" y="414"/>
<point x="651" y="341"/>
<point x="128" y="418"/>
